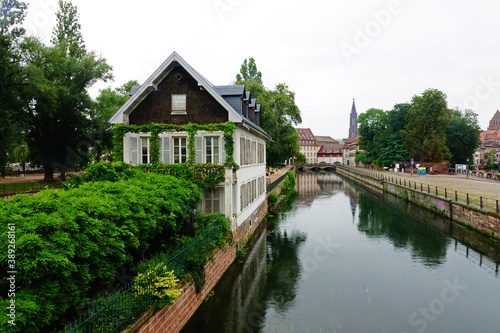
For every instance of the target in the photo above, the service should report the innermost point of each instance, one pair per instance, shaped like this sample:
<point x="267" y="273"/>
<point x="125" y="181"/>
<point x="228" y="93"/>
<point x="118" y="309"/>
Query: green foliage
<point x="105" y="106"/>
<point x="248" y="71"/>
<point x="155" y="129"/>
<point x="490" y="159"/>
<point x="69" y="240"/>
<point x="380" y="136"/>
<point x="462" y="136"/>
<point x="424" y="135"/>
<point x="12" y="77"/>
<point x="165" y="284"/>
<point x="272" y="199"/>
<point x="279" y="114"/>
<point x="289" y="183"/>
<point x="203" y="175"/>
<point x="59" y="130"/>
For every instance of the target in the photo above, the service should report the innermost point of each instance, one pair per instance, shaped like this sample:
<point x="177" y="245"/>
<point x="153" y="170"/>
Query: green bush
<point x="68" y="241"/>
<point x="272" y="199"/>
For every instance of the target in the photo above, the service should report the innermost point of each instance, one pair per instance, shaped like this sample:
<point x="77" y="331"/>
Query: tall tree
<point x="107" y="103"/>
<point x="12" y="77"/>
<point x="60" y="111"/>
<point x="248" y="71"/>
<point x="462" y="136"/>
<point x="278" y="116"/>
<point x="424" y="134"/>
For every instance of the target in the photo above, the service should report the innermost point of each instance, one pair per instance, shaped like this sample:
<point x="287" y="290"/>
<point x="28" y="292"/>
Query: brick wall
<point x="173" y="317"/>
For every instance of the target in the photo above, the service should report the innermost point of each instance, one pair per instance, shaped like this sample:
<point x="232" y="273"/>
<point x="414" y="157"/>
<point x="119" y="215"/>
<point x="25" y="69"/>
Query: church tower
<point x="353" y="123"/>
<point x="495" y="122"/>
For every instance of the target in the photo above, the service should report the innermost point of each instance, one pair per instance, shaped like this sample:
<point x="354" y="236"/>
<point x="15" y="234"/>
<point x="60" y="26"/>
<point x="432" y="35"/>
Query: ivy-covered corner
<point x="156" y="129"/>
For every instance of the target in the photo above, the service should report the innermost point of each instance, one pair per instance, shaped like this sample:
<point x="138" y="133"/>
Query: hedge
<point x="69" y="240"/>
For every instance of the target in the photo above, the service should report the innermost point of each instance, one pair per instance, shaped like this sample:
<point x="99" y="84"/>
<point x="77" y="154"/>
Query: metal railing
<point x="119" y="310"/>
<point x="478" y="201"/>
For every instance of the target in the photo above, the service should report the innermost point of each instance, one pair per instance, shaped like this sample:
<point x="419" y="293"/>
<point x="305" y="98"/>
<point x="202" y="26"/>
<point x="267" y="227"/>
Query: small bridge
<point x="317" y="167"/>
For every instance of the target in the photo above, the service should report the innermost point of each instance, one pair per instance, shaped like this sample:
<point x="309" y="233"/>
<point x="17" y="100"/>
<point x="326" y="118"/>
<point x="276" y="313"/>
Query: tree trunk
<point x="49" y="175"/>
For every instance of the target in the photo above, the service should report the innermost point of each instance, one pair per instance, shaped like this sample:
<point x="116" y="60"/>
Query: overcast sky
<point x="328" y="52"/>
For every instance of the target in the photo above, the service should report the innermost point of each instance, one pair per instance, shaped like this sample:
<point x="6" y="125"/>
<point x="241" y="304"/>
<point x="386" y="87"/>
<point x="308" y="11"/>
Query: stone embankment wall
<point x="471" y="216"/>
<point x="172" y="318"/>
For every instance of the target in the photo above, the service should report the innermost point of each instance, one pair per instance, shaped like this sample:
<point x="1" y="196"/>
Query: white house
<point x="177" y="96"/>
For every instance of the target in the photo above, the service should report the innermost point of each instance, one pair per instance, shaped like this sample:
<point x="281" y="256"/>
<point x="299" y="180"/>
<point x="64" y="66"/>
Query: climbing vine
<point x="156" y="129"/>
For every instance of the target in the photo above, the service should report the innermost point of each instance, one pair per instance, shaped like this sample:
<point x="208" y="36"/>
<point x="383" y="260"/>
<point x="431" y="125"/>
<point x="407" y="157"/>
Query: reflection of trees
<point x="378" y="219"/>
<point x="283" y="268"/>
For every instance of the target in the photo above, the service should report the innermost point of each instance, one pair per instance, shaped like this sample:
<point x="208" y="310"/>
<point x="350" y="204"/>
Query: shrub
<point x="68" y="240"/>
<point x="272" y="199"/>
<point x="165" y="283"/>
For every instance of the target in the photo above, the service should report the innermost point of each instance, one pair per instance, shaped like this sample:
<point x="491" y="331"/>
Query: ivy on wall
<point x="156" y="129"/>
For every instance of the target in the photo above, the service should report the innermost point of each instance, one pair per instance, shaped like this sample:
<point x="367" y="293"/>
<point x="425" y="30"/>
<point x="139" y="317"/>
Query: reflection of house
<point x="179" y="96"/>
<point x="307" y="187"/>
<point x="330" y="154"/>
<point x="308" y="145"/>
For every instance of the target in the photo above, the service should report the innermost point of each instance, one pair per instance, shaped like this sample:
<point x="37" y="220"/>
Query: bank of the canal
<point x="341" y="259"/>
<point x="444" y="201"/>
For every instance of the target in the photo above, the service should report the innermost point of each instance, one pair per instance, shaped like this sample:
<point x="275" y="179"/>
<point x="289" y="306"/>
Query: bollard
<point x="497" y="206"/>
<point x="421" y="187"/>
<point x="445" y="194"/>
<point x="481" y="202"/>
<point x="428" y="189"/>
<point x="436" y="190"/>
<point x="456" y="196"/>
<point x="467" y="198"/>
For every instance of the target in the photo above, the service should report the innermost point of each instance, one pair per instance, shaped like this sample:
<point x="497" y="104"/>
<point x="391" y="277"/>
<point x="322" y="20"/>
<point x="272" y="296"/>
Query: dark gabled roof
<point x="174" y="60"/>
<point x="247" y="95"/>
<point x="257" y="108"/>
<point x="236" y="90"/>
<point x="252" y="103"/>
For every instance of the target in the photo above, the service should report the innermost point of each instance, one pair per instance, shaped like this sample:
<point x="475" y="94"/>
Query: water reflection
<point x="387" y="265"/>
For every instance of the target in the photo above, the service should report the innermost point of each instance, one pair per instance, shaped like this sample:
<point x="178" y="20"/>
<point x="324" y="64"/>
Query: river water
<point x="339" y="259"/>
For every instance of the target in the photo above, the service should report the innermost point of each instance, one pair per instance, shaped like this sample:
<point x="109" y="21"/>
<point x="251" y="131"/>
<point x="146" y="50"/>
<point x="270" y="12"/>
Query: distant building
<point x="495" y="122"/>
<point x="308" y="145"/>
<point x="325" y="140"/>
<point x="353" y="122"/>
<point x="349" y="150"/>
<point x="330" y="154"/>
<point x="490" y="140"/>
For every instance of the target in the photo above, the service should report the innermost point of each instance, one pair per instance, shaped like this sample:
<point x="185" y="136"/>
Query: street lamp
<point x="467" y="171"/>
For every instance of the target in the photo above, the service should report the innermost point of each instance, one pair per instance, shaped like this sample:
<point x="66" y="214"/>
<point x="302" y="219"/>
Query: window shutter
<point x="134" y="150"/>
<point x="165" y="149"/>
<point x="222" y="151"/>
<point x="198" y="146"/>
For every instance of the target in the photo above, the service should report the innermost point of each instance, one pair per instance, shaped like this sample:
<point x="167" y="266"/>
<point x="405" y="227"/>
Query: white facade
<point x="241" y="193"/>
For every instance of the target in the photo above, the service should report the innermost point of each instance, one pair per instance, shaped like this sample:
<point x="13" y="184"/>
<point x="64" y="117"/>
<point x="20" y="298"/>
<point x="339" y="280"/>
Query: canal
<point x="339" y="259"/>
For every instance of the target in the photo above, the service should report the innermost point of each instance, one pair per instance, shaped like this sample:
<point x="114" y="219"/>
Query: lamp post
<point x="467" y="171"/>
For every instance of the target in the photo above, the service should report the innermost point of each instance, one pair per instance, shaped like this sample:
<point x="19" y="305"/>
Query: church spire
<point x="353" y="121"/>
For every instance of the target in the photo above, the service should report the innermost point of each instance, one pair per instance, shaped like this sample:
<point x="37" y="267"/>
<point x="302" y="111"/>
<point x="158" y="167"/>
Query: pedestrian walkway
<point x="27" y="178"/>
<point x="473" y="185"/>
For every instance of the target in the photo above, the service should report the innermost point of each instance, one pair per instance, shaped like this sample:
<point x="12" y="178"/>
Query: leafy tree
<point x="107" y="103"/>
<point x="462" y="135"/>
<point x="12" y="76"/>
<point x="248" y="71"/>
<point x="60" y="111"/>
<point x="372" y="125"/>
<point x="20" y="154"/>
<point x="278" y="116"/>
<point x="424" y="135"/>
<point x="380" y="138"/>
<point x="490" y="159"/>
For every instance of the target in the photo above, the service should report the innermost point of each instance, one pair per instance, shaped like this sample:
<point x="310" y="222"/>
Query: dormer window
<point x="178" y="104"/>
